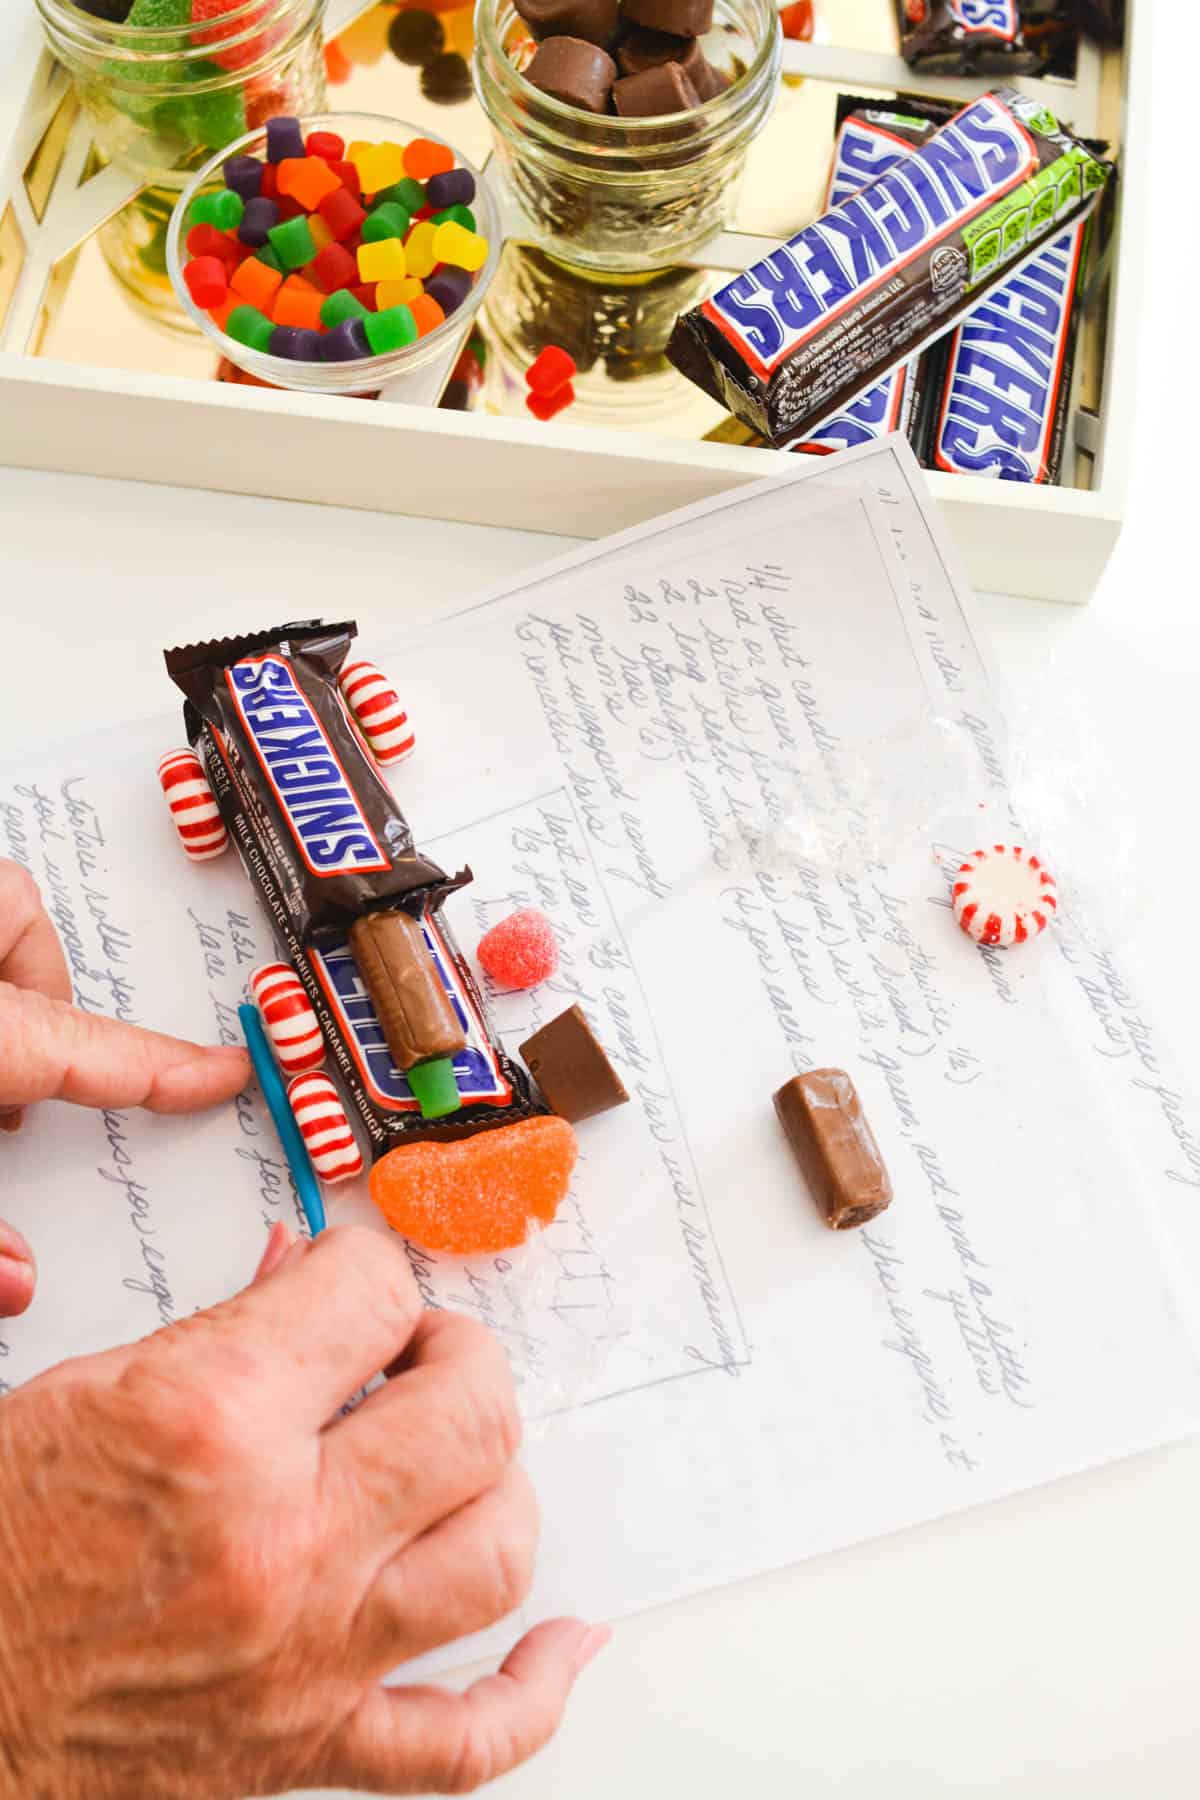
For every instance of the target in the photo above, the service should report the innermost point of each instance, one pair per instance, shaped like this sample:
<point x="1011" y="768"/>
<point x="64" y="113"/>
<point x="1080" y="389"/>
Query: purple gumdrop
<point x="455" y="188"/>
<point x="257" y="220"/>
<point x="244" y="175"/>
<point x="296" y="343"/>
<point x="449" y="288"/>
<point x="284" y="138"/>
<point x="345" y="342"/>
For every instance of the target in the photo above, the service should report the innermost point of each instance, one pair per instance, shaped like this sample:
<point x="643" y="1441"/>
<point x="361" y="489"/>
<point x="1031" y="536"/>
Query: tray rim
<point x="122" y="423"/>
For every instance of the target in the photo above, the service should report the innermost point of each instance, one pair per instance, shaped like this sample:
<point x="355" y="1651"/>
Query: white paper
<point x="638" y="741"/>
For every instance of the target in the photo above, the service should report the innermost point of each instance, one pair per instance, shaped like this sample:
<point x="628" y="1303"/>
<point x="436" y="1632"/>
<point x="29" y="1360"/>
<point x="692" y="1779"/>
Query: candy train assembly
<point x="279" y="762"/>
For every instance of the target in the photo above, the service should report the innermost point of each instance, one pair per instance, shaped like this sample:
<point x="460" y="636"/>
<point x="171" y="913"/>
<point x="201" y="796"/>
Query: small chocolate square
<point x="570" y="1065"/>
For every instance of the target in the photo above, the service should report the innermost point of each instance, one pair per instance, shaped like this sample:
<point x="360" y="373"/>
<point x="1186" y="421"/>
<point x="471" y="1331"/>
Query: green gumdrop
<point x="223" y="208"/>
<point x="248" y="326"/>
<point x="407" y="193"/>
<point x="389" y="221"/>
<point x="391" y="329"/>
<point x="461" y="215"/>
<point x="341" y="305"/>
<point x="265" y="254"/>
<point x="433" y="1083"/>
<point x="293" y="242"/>
<point x="218" y="117"/>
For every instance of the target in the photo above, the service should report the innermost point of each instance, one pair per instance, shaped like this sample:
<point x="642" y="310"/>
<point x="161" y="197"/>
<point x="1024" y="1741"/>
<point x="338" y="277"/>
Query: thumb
<point x="52" y="1051"/>
<point x="18" y="1272"/>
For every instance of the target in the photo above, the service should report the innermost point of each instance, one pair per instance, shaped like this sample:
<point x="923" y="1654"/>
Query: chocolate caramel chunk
<point x="680" y="18"/>
<point x="406" y="990"/>
<point x="595" y="21"/>
<point x="576" y="73"/>
<point x="831" y="1140"/>
<point x="663" y="89"/>
<point x="647" y="49"/>
<point x="570" y="1065"/>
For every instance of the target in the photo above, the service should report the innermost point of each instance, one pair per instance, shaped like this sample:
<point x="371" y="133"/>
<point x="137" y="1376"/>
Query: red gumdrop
<point x="546" y="406"/>
<point x="550" y="370"/>
<point x="236" y="56"/>
<point x="521" y="950"/>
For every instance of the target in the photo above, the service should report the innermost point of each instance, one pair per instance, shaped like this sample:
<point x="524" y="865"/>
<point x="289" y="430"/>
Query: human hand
<point x="49" y="1050"/>
<point x="202" y="1581"/>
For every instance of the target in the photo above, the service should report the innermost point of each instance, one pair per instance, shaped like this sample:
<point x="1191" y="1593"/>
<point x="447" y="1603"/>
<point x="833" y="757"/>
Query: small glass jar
<point x="620" y="194"/>
<point x="161" y="99"/>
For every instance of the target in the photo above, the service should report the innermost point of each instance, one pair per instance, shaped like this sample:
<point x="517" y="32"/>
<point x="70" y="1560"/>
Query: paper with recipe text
<point x="703" y="748"/>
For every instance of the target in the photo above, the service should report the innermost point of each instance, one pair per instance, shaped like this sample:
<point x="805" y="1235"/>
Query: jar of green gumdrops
<point x="165" y="83"/>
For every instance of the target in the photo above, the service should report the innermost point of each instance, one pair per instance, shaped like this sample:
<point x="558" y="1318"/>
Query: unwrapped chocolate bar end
<point x="572" y="1068"/>
<point x="823" y="1118"/>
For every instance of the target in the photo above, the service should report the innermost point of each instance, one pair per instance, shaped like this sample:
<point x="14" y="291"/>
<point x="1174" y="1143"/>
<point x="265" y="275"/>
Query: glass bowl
<point x="367" y="373"/>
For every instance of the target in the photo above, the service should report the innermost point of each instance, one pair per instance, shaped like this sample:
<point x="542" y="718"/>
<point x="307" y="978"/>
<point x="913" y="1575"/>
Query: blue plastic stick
<point x="275" y="1095"/>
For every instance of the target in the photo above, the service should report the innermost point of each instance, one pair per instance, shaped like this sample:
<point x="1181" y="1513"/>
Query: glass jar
<point x="161" y="99"/>
<point x="620" y="194"/>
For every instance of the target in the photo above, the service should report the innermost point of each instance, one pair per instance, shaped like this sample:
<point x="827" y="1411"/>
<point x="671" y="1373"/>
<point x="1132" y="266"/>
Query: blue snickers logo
<point x="314" y="793"/>
<point x="1005" y="369"/>
<point x="857" y="247"/>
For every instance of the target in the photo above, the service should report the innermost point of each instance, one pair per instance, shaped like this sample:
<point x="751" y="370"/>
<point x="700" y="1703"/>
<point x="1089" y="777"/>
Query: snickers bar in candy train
<point x="870" y="141"/>
<point x="332" y="859"/>
<point x="801" y="335"/>
<point x="964" y="37"/>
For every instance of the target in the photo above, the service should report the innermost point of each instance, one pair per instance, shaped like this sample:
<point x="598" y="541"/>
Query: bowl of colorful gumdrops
<point x="334" y="254"/>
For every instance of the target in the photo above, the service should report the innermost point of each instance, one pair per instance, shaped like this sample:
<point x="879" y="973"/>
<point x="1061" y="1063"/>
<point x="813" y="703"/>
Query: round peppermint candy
<point x="319" y="1113"/>
<point x="1004" y="896"/>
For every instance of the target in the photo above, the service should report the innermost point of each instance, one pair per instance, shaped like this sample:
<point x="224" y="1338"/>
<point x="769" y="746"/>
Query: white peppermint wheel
<point x="288" y="1018"/>
<point x="1004" y="896"/>
<point x="331" y="1145"/>
<point x="377" y="712"/>
<point x="194" y="812"/>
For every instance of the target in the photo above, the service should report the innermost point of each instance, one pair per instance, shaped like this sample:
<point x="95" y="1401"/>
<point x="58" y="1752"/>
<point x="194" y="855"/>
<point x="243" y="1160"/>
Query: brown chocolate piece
<point x="576" y="73"/>
<point x="647" y="49"/>
<point x="710" y="82"/>
<point x="570" y="1066"/>
<point x="838" y="1156"/>
<point x="681" y="18"/>
<point x="398" y="973"/>
<point x="653" y="92"/>
<point x="595" y="21"/>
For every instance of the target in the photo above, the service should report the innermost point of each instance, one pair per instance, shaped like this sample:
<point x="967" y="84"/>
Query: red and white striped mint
<point x="194" y="812"/>
<point x="289" y="1020"/>
<point x="1004" y="896"/>
<point x="319" y="1113"/>
<point x="377" y="712"/>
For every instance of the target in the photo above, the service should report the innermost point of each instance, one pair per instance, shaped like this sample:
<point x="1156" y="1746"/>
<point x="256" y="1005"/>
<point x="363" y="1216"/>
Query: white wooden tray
<point x="572" y="477"/>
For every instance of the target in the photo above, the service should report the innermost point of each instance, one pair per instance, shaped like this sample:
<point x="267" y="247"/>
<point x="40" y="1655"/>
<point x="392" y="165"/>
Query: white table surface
<point x="1039" y="1649"/>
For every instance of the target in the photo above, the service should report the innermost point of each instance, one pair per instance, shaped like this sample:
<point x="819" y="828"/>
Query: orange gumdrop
<point x="479" y="1195"/>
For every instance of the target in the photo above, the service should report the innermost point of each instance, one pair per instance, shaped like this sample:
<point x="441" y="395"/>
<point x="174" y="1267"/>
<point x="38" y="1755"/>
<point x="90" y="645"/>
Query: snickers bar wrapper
<point x="871" y="139"/>
<point x="964" y="37"/>
<point x="323" y="841"/>
<point x="798" y="337"/>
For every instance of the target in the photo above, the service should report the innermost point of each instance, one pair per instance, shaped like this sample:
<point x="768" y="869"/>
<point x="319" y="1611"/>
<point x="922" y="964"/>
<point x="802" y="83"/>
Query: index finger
<point x="31" y="955"/>
<point x="52" y="1051"/>
<point x="330" y="1321"/>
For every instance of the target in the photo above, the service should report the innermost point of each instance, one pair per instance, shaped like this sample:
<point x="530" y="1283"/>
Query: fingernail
<point x="10" y="1118"/>
<point x="278" y="1240"/>
<point x="17" y="1278"/>
<point x="596" y="1640"/>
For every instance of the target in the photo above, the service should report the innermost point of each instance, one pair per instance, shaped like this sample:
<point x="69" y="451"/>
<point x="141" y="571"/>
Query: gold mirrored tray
<point x="91" y="287"/>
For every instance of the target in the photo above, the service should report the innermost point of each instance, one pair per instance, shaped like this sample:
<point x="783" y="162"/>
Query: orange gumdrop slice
<point x="481" y="1194"/>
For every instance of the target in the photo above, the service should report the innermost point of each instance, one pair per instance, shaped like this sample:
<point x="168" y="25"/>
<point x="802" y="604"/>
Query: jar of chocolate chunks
<point x="165" y="83"/>
<point x="622" y="126"/>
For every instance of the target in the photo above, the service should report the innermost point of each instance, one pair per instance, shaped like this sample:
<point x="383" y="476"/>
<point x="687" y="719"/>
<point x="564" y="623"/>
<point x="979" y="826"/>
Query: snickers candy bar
<point x="312" y="818"/>
<point x="964" y="37"/>
<point x="839" y="1159"/>
<point x="411" y="1004"/>
<point x="870" y="141"/>
<point x="806" y="331"/>
<point x="575" y="72"/>
<point x="654" y="92"/>
<point x="593" y="21"/>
